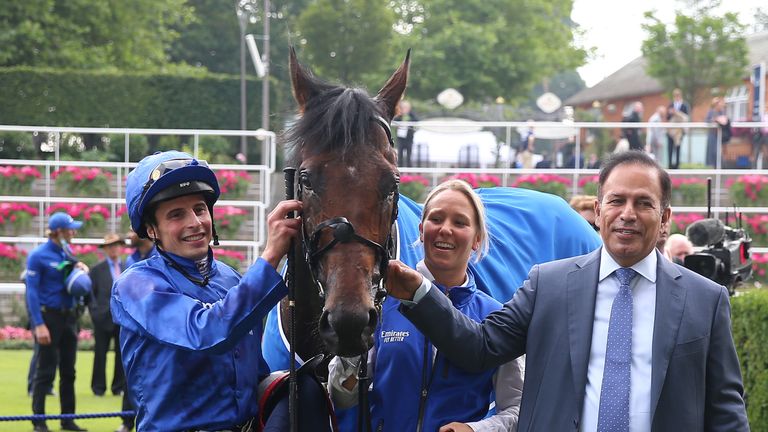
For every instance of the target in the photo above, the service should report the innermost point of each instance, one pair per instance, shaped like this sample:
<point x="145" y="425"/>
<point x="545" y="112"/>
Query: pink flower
<point x="589" y="179"/>
<point x="15" y="333"/>
<point x="542" y="178"/>
<point x="230" y="179"/>
<point x="230" y="253"/>
<point x="413" y="178"/>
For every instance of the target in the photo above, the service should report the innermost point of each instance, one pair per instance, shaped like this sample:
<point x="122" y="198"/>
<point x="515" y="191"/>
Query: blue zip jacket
<point x="45" y="280"/>
<point x="192" y="354"/>
<point x="402" y="372"/>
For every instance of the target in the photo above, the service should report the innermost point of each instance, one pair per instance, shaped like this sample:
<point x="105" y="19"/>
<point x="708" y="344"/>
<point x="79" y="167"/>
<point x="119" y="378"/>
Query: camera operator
<point x="677" y="248"/>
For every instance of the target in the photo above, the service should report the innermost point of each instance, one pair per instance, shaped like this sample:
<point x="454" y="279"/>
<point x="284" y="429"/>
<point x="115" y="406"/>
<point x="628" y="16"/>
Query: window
<point x="737" y="103"/>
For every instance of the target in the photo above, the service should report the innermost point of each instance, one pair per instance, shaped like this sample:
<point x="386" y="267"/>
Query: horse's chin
<point x="352" y="349"/>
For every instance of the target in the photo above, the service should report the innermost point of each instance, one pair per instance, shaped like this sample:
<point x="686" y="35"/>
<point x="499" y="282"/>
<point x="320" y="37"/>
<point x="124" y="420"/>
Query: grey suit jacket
<point x="696" y="380"/>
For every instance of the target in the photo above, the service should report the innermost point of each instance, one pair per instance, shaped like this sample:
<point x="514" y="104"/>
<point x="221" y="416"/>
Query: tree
<point x="699" y="52"/>
<point x="347" y="40"/>
<point x="487" y="48"/>
<point x="89" y="34"/>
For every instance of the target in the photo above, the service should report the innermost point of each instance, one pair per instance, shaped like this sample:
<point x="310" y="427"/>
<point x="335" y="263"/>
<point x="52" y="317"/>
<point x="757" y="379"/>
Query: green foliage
<point x="114" y="99"/>
<point x="347" y="39"/>
<point x="750" y="334"/>
<point x="487" y="48"/>
<point x="90" y="34"/>
<point x="18" y="145"/>
<point x="699" y="52"/>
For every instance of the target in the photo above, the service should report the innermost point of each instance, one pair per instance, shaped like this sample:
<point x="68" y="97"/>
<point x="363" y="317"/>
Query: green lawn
<point x="14" y="400"/>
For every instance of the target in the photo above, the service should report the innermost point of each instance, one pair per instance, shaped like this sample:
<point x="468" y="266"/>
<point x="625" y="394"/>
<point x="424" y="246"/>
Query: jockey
<point x="191" y="326"/>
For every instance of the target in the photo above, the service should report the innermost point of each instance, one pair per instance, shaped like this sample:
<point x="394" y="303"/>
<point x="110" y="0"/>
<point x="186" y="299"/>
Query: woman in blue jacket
<point x="414" y="387"/>
<point x="191" y="325"/>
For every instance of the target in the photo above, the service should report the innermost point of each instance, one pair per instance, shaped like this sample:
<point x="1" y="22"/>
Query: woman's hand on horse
<point x="402" y="281"/>
<point x="456" y="427"/>
<point x="281" y="231"/>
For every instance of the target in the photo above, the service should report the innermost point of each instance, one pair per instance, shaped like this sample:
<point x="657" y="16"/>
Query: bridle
<point x="344" y="232"/>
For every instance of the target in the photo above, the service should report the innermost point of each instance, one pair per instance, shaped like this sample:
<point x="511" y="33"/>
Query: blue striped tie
<point x="614" y="395"/>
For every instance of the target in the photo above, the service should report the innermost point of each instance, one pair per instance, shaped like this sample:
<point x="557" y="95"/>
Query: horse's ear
<point x="301" y="80"/>
<point x="393" y="90"/>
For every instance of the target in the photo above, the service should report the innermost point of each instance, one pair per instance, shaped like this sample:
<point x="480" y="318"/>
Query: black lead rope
<point x="293" y="409"/>
<point x="363" y="381"/>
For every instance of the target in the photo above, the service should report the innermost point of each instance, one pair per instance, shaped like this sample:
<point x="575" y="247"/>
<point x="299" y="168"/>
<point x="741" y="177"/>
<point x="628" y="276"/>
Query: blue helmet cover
<point x="78" y="283"/>
<point x="139" y="177"/>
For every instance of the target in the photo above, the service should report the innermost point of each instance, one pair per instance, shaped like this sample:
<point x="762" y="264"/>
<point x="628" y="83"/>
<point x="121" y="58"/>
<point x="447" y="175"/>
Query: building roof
<point x="631" y="80"/>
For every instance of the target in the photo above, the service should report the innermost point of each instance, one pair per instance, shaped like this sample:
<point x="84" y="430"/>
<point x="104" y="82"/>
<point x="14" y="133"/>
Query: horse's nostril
<point x="373" y="317"/>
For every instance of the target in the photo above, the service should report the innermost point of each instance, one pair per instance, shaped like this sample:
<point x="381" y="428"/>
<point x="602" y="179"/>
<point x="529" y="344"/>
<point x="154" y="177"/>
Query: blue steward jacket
<point x="404" y="367"/>
<point x="45" y="280"/>
<point x="192" y="354"/>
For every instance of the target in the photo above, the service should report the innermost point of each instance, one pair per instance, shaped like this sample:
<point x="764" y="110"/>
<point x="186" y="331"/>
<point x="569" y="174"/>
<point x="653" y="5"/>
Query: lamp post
<point x="242" y="19"/>
<point x="265" y="79"/>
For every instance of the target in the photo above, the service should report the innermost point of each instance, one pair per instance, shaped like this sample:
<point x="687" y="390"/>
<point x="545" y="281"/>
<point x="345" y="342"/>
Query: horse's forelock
<point x="339" y="120"/>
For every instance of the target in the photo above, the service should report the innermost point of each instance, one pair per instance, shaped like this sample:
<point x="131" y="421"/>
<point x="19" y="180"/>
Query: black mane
<point x="336" y="120"/>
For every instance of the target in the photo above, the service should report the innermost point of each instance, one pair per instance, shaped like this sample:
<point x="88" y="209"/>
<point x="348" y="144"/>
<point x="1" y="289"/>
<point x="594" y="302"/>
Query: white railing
<point x="434" y="172"/>
<point x="45" y="193"/>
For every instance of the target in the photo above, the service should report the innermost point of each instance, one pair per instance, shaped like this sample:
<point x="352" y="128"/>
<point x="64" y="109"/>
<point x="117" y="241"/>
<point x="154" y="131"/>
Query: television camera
<point x="725" y="257"/>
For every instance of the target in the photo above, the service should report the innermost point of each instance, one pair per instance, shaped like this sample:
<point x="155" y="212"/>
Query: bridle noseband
<point x="344" y="232"/>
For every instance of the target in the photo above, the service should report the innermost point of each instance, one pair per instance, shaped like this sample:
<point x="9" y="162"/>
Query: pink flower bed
<point x="233" y="181"/>
<point x="542" y="178"/>
<point x="18" y="333"/>
<point x="477" y="180"/>
<point x="81" y="173"/>
<point x="413" y="178"/>
<point x="681" y="221"/>
<point x="9" y="212"/>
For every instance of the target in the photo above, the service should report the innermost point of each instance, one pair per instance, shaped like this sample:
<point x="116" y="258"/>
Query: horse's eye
<point x="304" y="180"/>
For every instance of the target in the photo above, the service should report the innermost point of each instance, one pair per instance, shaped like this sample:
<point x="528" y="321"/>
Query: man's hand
<point x="456" y="427"/>
<point x="82" y="266"/>
<point x="42" y="335"/>
<point x="281" y="231"/>
<point x="402" y="281"/>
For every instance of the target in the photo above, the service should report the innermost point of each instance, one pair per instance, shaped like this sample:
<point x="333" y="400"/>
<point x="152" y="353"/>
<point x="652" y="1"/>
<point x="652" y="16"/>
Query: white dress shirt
<point x="643" y="311"/>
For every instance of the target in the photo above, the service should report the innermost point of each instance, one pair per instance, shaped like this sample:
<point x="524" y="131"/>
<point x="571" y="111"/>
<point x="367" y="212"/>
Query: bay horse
<point x="354" y="221"/>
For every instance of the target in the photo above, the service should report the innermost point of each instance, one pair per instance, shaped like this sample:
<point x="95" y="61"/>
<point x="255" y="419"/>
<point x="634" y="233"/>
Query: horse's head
<point x="347" y="178"/>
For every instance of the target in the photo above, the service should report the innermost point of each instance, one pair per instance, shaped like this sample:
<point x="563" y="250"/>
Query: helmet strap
<point x="215" y="235"/>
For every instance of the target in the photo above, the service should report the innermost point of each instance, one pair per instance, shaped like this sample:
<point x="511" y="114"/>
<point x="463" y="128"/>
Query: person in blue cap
<point x="191" y="326"/>
<point x="55" y="282"/>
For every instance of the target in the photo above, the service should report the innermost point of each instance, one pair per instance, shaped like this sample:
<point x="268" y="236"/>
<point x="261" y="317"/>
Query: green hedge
<point x="750" y="333"/>
<point x="48" y="97"/>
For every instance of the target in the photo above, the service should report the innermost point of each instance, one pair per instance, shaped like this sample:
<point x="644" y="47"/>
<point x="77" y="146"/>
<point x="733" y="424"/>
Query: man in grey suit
<point x="664" y="330"/>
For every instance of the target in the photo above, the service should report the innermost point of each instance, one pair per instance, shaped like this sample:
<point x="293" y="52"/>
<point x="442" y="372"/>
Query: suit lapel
<point x="670" y="302"/>
<point x="581" y="286"/>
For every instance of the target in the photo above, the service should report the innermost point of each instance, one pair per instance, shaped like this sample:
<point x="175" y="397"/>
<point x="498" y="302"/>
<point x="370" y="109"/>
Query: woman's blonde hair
<point x="477" y="204"/>
<point x="583" y="202"/>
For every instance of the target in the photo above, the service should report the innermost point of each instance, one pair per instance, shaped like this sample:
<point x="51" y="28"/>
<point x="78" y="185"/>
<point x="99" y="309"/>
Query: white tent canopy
<point x="450" y="142"/>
